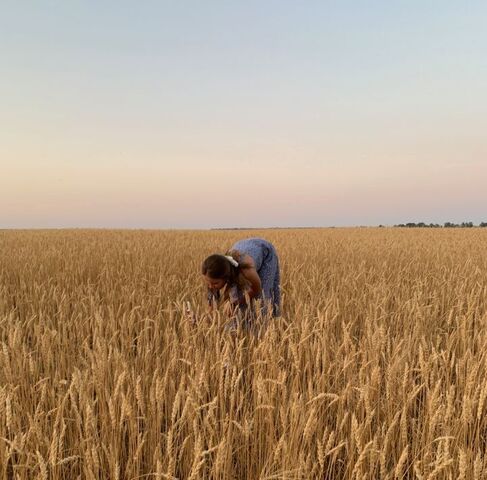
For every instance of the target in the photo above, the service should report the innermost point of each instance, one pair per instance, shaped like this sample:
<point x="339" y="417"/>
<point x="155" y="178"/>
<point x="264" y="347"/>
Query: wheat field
<point x="377" y="368"/>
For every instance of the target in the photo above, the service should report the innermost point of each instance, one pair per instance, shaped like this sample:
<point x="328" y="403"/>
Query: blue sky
<point x="214" y="114"/>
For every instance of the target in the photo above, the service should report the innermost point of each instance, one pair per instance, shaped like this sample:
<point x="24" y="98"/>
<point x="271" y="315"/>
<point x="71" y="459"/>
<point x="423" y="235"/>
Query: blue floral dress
<point x="267" y="265"/>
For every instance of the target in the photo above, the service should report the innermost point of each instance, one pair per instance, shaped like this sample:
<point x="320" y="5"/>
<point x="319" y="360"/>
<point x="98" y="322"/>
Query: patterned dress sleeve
<point x="236" y="295"/>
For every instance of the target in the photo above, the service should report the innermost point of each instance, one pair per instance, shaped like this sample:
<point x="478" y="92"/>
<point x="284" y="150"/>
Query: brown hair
<point x="217" y="266"/>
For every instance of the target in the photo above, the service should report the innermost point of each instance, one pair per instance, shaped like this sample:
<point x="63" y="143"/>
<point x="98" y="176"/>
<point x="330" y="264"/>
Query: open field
<point x="377" y="369"/>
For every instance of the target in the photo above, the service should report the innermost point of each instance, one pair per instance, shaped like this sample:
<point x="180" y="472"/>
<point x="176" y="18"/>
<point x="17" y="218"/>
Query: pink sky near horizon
<point x="165" y="196"/>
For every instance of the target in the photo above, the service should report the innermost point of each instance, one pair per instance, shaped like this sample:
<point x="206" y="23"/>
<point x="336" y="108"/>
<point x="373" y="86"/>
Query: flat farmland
<point x="377" y="368"/>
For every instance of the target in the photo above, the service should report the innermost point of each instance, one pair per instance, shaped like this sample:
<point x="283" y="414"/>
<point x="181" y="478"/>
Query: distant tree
<point x="437" y="225"/>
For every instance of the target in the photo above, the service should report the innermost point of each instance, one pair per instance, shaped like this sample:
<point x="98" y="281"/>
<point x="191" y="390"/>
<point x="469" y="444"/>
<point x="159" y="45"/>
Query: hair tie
<point x="232" y="260"/>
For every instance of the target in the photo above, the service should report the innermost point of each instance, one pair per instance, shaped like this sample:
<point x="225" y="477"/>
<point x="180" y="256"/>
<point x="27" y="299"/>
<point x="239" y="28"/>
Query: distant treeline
<point x="407" y="225"/>
<point x="445" y="225"/>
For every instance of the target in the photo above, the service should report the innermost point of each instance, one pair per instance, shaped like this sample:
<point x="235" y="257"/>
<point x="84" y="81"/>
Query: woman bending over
<point x="248" y="271"/>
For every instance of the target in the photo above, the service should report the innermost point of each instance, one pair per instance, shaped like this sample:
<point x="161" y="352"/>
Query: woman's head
<point x="218" y="271"/>
<point x="221" y="270"/>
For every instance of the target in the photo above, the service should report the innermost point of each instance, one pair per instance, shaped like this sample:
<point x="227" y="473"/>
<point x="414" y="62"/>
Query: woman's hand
<point x="190" y="315"/>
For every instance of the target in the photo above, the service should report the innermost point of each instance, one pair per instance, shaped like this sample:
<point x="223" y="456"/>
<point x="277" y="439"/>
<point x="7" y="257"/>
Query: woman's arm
<point x="250" y="273"/>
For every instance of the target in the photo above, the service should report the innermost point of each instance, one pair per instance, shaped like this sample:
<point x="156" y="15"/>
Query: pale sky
<point x="200" y="114"/>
